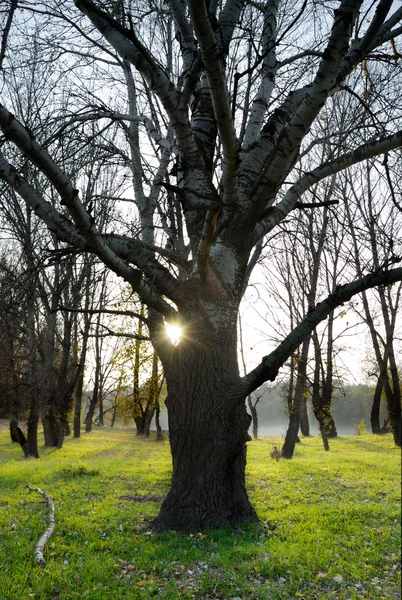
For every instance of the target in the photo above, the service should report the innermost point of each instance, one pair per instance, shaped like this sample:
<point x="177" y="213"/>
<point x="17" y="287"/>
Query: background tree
<point x="375" y="229"/>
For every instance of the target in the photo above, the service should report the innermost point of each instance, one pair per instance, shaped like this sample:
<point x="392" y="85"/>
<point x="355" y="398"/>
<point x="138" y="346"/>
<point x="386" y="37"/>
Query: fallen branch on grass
<point x="38" y="554"/>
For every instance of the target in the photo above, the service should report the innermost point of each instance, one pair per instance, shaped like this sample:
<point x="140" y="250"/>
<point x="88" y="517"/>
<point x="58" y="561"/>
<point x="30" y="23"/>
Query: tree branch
<point x="39" y="557"/>
<point x="324" y="203"/>
<point x="6" y="31"/>
<point x="360" y="48"/>
<point x="111" y="333"/>
<point x="269" y="367"/>
<point x="106" y="311"/>
<point x="218" y="90"/>
<point x="283" y="208"/>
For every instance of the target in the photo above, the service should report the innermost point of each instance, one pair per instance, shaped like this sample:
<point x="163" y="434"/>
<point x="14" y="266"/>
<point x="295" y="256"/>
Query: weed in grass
<point x="334" y="528"/>
<point x="79" y="470"/>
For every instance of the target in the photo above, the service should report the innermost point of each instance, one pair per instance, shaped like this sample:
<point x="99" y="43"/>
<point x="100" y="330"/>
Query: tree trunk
<point x="386" y="426"/>
<point x="304" y="423"/>
<point x="159" y="432"/>
<point x="80" y="380"/>
<point x="98" y="367"/>
<point x="291" y="437"/>
<point x="394" y="400"/>
<point x="13" y="430"/>
<point x="327" y="388"/>
<point x="254" y="416"/>
<point x="78" y="404"/>
<point x="17" y="435"/>
<point x="50" y="425"/>
<point x="329" y="423"/>
<point x="208" y="431"/>
<point x="91" y="409"/>
<point x="48" y="402"/>
<point x="95" y="392"/>
<point x="375" y="408"/>
<point x="67" y="374"/>
<point x="114" y="414"/>
<point x="34" y="410"/>
<point x="316" y="392"/>
<point x="149" y="414"/>
<point x="153" y="395"/>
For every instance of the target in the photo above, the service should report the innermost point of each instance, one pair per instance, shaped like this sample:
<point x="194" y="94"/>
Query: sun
<point x="174" y="332"/>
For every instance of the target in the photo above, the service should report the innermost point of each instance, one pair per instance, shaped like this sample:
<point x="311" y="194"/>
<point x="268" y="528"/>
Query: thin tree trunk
<point x="33" y="417"/>
<point x="375" y="408"/>
<point x="252" y="407"/>
<point x="254" y="417"/>
<point x="93" y="401"/>
<point x="316" y="393"/>
<point x="114" y="414"/>
<point x="394" y="400"/>
<point x="48" y="409"/>
<point x="327" y="388"/>
<point x="304" y="422"/>
<point x="153" y="396"/>
<point x="295" y="414"/>
<point x="159" y="432"/>
<point x="95" y="393"/>
<point x="80" y="377"/>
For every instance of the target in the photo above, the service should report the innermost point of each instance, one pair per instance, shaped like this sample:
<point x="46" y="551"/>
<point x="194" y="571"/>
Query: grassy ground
<point x="336" y="518"/>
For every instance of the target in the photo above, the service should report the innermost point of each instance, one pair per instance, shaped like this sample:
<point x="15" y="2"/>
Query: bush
<point x="361" y="428"/>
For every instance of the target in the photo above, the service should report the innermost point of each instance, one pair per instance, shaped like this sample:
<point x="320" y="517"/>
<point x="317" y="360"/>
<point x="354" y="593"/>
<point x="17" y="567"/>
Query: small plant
<point x="78" y="471"/>
<point x="361" y="428"/>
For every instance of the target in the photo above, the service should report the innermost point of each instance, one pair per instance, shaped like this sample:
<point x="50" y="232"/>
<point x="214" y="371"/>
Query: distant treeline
<point x="350" y="406"/>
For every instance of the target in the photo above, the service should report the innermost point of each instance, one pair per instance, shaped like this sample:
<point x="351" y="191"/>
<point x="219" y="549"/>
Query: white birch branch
<point x="218" y="90"/>
<point x="38" y="554"/>
<point x="269" y="68"/>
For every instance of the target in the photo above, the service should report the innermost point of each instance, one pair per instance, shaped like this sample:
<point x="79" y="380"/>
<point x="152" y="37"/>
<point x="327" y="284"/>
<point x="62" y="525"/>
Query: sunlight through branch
<point x="174" y="333"/>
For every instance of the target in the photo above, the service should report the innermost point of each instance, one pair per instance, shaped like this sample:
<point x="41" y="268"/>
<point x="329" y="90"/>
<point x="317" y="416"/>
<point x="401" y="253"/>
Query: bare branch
<point x="106" y="311"/>
<point x="268" y="369"/>
<point x="39" y="557"/>
<point x="363" y="152"/>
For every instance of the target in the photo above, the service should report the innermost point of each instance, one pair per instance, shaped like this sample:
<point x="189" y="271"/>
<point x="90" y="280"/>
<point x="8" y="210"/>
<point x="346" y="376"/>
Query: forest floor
<point x="330" y="524"/>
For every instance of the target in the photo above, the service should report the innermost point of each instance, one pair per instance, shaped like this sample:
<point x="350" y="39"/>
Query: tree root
<point x="38" y="554"/>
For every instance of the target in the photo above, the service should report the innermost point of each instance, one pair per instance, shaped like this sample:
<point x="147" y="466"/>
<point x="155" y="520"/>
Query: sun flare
<point x="174" y="333"/>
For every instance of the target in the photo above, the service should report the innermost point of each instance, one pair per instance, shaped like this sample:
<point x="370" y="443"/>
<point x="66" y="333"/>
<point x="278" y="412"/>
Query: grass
<point x="336" y="518"/>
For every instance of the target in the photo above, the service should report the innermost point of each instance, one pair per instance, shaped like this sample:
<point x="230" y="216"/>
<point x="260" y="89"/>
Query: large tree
<point x="217" y="125"/>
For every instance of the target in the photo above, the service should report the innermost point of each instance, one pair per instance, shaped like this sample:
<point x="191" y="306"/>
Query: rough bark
<point x="208" y="431"/>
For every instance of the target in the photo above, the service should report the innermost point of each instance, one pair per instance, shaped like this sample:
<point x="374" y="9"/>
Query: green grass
<point x="336" y="519"/>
